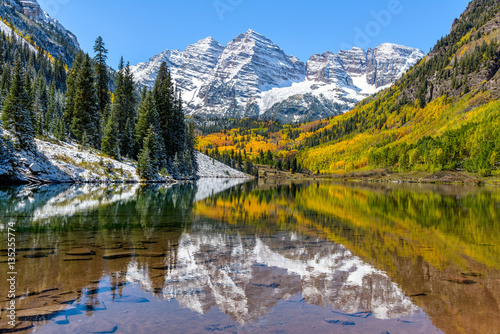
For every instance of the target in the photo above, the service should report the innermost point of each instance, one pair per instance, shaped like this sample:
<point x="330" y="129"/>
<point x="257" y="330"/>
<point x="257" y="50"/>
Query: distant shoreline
<point x="387" y="176"/>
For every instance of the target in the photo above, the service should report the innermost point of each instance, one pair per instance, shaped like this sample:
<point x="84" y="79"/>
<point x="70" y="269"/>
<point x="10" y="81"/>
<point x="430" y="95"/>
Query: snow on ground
<point x="361" y="82"/>
<point x="81" y="164"/>
<point x="211" y="168"/>
<point x="67" y="162"/>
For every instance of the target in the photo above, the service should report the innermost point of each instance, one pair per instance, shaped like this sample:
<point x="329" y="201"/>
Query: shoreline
<point x="387" y="176"/>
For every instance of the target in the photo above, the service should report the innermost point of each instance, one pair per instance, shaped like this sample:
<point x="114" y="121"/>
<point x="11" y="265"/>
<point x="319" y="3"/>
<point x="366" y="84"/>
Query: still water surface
<point x="223" y="257"/>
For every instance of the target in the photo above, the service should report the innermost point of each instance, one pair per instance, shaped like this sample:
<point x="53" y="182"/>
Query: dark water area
<point x="223" y="256"/>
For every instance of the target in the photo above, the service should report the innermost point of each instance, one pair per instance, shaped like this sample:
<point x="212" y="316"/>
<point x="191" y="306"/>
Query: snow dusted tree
<point x="110" y="145"/>
<point x="148" y="119"/>
<point x="148" y="163"/>
<point x="16" y="115"/>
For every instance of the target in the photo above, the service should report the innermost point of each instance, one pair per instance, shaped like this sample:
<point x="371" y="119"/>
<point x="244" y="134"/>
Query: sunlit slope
<point x="443" y="114"/>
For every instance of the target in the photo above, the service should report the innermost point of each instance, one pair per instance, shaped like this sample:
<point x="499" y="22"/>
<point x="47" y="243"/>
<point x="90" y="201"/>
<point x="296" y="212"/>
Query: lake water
<point x="271" y="257"/>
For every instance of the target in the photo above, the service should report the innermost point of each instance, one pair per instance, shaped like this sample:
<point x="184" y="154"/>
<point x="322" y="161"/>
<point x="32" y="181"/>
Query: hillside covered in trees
<point x="42" y="98"/>
<point x="443" y="114"/>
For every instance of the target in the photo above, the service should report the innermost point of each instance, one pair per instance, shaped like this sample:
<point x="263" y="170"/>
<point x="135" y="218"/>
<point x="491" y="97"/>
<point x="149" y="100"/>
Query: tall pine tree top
<point x="101" y="71"/>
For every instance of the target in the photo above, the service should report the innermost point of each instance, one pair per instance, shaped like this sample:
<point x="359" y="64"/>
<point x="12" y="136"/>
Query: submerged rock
<point x="35" y="255"/>
<point x="80" y="252"/>
<point x="77" y="258"/>
<point x="113" y="256"/>
<point x="152" y="254"/>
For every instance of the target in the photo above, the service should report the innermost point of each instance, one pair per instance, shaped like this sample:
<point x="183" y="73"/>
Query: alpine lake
<point x="268" y="256"/>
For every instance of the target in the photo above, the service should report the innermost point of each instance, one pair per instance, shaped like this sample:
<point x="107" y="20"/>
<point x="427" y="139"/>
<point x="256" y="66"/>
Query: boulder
<point x="35" y="168"/>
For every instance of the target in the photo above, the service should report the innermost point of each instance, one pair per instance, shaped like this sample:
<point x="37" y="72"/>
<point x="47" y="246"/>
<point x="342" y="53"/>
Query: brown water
<point x="253" y="258"/>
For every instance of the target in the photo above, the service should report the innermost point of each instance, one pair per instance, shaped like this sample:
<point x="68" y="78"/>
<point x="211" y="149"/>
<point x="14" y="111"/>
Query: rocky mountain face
<point x="29" y="19"/>
<point x="252" y="77"/>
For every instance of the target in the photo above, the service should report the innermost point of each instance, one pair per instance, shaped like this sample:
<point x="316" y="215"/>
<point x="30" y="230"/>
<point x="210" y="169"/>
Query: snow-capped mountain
<point x="29" y="18"/>
<point x="252" y="77"/>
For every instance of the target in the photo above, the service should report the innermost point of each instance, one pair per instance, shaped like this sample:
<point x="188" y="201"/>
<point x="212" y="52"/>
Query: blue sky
<point x="140" y="29"/>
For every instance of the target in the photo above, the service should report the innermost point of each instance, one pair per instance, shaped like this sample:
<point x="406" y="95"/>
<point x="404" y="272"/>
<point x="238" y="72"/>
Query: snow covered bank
<point x="210" y="168"/>
<point x="63" y="162"/>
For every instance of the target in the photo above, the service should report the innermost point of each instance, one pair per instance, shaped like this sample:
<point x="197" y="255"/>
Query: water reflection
<point x="256" y="257"/>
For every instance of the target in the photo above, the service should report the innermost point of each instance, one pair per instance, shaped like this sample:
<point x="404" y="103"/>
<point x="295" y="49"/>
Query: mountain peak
<point x="253" y="77"/>
<point x="207" y="40"/>
<point x="252" y="34"/>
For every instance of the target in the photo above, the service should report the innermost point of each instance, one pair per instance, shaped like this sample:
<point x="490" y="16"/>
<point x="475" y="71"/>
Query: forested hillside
<point x="443" y="114"/>
<point x="40" y="98"/>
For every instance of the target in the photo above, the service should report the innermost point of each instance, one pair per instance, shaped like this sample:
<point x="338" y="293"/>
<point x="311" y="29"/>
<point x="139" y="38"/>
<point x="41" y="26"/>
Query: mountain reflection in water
<point x="255" y="258"/>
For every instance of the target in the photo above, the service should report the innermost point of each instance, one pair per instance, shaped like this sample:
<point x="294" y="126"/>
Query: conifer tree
<point x="85" y="123"/>
<point x="163" y="98"/>
<point x="124" y="108"/>
<point x="40" y="103"/>
<point x="59" y="75"/>
<point x="177" y="127"/>
<point x="191" y="152"/>
<point x="101" y="71"/>
<point x="16" y="115"/>
<point x="110" y="145"/>
<point x="52" y="109"/>
<point x="69" y="106"/>
<point x="5" y="83"/>
<point x="144" y="166"/>
<point x="148" y="119"/>
<point x="148" y="163"/>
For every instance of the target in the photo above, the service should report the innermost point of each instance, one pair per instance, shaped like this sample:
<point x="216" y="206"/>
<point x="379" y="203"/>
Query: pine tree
<point x="190" y="144"/>
<point x="148" y="164"/>
<point x="52" y="109"/>
<point x="177" y="127"/>
<point x="69" y="106"/>
<point x="85" y="123"/>
<point x="5" y="83"/>
<point x="124" y="108"/>
<point x="164" y="97"/>
<point x="40" y="103"/>
<point x="148" y="122"/>
<point x="102" y="78"/>
<point x="60" y="75"/>
<point x="144" y="166"/>
<point x="109" y="144"/>
<point x="16" y="115"/>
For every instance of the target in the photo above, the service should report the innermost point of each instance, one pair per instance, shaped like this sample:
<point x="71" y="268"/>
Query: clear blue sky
<point x="140" y="29"/>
